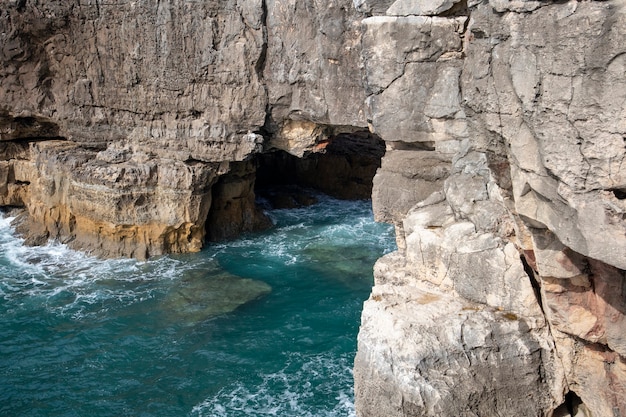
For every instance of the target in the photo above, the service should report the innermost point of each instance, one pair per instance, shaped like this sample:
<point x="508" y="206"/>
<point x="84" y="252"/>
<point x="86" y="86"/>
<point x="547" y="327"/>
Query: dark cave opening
<point x="528" y="257"/>
<point x="571" y="406"/>
<point x="619" y="193"/>
<point x="344" y="169"/>
<point x="233" y="207"/>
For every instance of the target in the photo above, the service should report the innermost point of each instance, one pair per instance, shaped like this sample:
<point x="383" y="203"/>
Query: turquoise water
<point x="86" y="337"/>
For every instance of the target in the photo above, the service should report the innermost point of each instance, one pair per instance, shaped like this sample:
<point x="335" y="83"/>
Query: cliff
<point x="134" y="128"/>
<point x="504" y="177"/>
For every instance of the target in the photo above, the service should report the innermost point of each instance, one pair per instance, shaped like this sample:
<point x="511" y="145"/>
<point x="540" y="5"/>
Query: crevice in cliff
<point x="344" y="169"/>
<point x="26" y="128"/>
<point x="18" y="135"/>
<point x="619" y="193"/>
<point x="532" y="276"/>
<point x="571" y="406"/>
<point x="412" y="146"/>
<point x="259" y="67"/>
<point x="459" y="9"/>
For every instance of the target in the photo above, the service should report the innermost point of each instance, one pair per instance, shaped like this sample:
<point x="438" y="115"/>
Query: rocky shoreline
<point x="137" y="128"/>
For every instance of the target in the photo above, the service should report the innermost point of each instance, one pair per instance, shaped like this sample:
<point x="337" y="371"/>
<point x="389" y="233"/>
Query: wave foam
<point x="71" y="282"/>
<point x="303" y="392"/>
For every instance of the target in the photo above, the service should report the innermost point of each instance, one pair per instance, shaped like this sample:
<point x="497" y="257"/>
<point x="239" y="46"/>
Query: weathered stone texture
<point x="130" y="127"/>
<point x="168" y="91"/>
<point x="398" y="51"/>
<point x="420" y="7"/>
<point x="137" y="70"/>
<point x="504" y="177"/>
<point x="117" y="202"/>
<point x="559" y="107"/>
<point x="441" y="355"/>
<point x="156" y="99"/>
<point x="312" y="72"/>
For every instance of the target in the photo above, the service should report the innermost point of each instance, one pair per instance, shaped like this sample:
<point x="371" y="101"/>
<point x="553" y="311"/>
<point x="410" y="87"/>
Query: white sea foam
<point x="52" y="269"/>
<point x="69" y="282"/>
<point x="289" y="392"/>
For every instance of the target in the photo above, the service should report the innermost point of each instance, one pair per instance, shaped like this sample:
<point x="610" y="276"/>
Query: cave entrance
<point x="344" y="169"/>
<point x="572" y="406"/>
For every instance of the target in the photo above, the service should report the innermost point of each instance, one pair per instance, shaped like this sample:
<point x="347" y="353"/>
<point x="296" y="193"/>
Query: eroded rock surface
<point x="152" y="113"/>
<point x="504" y="176"/>
<point x="440" y="354"/>
<point x="133" y="128"/>
<point x="155" y="110"/>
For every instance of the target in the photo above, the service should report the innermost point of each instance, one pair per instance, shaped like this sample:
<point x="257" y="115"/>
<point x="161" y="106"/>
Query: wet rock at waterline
<point x="286" y="197"/>
<point x="502" y="125"/>
<point x="203" y="294"/>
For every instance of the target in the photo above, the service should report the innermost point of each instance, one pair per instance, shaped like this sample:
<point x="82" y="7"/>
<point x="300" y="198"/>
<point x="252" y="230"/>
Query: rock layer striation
<point x="135" y="128"/>
<point x="131" y="128"/>
<point x="504" y="177"/>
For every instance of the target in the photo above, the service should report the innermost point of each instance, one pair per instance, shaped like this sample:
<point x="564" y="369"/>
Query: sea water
<point x="262" y="326"/>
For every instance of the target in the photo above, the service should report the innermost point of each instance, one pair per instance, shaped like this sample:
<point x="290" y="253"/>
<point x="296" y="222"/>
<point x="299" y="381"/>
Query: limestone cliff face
<point x="131" y="128"/>
<point x="150" y="103"/>
<point x="151" y="113"/>
<point x="505" y="178"/>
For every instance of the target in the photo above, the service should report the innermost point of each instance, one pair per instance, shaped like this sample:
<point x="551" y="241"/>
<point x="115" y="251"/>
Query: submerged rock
<point x="345" y="263"/>
<point x="125" y="125"/>
<point x="201" y="295"/>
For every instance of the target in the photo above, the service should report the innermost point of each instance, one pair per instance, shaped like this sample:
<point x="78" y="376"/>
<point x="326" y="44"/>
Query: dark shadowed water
<point x="262" y="326"/>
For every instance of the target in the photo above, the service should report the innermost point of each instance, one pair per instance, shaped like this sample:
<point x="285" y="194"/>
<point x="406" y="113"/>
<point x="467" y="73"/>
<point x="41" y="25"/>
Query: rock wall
<point x="151" y="113"/>
<point x="118" y="119"/>
<point x="131" y="128"/>
<point x="505" y="177"/>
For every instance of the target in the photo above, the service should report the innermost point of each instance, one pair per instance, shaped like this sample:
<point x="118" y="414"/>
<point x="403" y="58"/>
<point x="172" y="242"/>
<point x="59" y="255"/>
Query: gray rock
<point x="404" y="179"/>
<point x="420" y="7"/>
<point x="124" y="126"/>
<point x="372" y="7"/>
<point x="518" y="6"/>
<point x="477" y="266"/>
<point x="425" y="352"/>
<point x="532" y="198"/>
<point x="312" y="63"/>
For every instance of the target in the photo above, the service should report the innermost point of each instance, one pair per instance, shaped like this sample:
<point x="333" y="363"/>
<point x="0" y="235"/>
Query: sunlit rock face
<point x="504" y="177"/>
<point x="153" y="99"/>
<point x="156" y="110"/>
<point x="137" y="128"/>
<point x="115" y="203"/>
